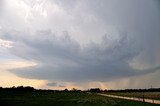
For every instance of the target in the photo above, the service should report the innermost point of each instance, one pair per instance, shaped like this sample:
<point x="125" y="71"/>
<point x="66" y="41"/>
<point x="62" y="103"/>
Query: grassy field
<point x="44" y="98"/>
<point x="149" y="95"/>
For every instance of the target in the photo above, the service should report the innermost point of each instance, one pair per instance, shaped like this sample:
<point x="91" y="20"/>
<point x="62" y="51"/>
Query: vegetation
<point x="28" y="96"/>
<point x="148" y="95"/>
<point x="135" y="90"/>
<point x="152" y="93"/>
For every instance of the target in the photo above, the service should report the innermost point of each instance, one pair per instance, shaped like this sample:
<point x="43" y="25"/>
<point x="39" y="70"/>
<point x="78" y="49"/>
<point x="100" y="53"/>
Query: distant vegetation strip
<point x="96" y="90"/>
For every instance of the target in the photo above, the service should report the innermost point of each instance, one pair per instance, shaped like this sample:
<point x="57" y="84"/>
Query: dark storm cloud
<point x="62" y="58"/>
<point x="134" y="51"/>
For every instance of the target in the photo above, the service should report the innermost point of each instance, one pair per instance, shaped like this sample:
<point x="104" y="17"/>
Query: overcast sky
<point x="57" y="44"/>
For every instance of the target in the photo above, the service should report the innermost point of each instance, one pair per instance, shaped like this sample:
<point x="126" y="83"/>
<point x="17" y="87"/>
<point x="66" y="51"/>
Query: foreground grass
<point x="44" y="98"/>
<point x="148" y="95"/>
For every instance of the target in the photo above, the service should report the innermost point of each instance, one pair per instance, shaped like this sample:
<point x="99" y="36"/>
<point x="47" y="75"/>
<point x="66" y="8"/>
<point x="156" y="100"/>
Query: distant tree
<point x="13" y="87"/>
<point x="95" y="90"/>
<point x="75" y="90"/>
<point x="105" y="90"/>
<point x="22" y="88"/>
<point x="28" y="88"/>
<point x="65" y="90"/>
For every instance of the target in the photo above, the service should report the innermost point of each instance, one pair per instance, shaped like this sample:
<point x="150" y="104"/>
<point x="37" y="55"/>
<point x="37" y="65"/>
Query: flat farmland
<point x="45" y="98"/>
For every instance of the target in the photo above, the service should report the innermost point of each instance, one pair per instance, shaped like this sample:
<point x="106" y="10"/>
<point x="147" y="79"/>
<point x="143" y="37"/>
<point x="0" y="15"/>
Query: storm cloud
<point x="83" y="41"/>
<point x="63" y="59"/>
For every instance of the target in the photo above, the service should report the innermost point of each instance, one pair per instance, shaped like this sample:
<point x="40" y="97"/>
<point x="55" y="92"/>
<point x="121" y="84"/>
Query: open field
<point x="148" y="95"/>
<point x="46" y="98"/>
<point x="132" y="98"/>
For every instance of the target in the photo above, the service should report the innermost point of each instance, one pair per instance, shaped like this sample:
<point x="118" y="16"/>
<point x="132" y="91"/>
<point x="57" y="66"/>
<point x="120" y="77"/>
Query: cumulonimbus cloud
<point x="64" y="57"/>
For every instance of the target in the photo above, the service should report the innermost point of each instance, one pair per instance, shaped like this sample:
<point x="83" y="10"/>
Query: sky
<point x="58" y="44"/>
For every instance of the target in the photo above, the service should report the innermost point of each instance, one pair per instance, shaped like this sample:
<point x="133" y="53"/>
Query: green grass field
<point x="149" y="95"/>
<point x="44" y="98"/>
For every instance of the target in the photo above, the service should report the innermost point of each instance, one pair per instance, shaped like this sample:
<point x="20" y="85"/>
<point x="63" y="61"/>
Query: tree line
<point x="92" y="90"/>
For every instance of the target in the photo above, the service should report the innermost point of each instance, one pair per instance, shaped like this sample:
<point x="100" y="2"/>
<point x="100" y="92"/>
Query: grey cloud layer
<point x="55" y="84"/>
<point x="63" y="59"/>
<point x="134" y="50"/>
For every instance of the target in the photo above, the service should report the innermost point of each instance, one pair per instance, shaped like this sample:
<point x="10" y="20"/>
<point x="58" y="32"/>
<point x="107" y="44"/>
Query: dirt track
<point x="132" y="98"/>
